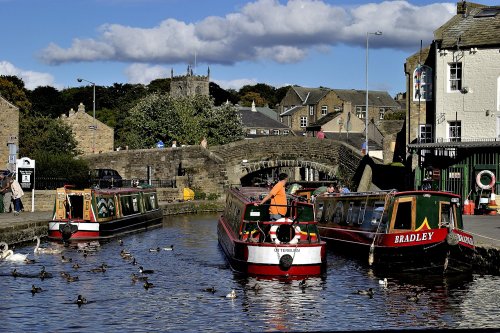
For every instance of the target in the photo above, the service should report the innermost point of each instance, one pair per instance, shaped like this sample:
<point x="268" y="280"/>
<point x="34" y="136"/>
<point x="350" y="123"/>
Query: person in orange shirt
<point x="277" y="208"/>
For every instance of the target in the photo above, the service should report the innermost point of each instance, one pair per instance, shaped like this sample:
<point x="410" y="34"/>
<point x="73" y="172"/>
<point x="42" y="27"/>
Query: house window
<point x="303" y="121"/>
<point x="455" y="76"/>
<point x="285" y="132"/>
<point x="422" y="83"/>
<point x="311" y="110"/>
<point x="324" y="110"/>
<point x="381" y="113"/>
<point x="252" y="131"/>
<point x="276" y="132"/>
<point x="425" y="133"/>
<point x="264" y="132"/>
<point x="455" y="131"/>
<point x="360" y="112"/>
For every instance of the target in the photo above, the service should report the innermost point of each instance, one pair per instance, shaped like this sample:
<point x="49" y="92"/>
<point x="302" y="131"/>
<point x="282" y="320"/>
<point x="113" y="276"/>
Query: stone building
<point x="92" y="135"/>
<point x="458" y="138"/>
<point x="257" y="122"/>
<point x="189" y="84"/>
<point x="9" y="131"/>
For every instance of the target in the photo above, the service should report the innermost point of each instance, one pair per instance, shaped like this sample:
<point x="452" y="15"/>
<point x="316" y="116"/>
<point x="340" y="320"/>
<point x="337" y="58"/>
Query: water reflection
<point x="178" y="301"/>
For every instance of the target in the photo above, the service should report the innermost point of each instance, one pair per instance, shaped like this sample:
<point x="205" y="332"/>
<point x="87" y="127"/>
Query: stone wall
<point x="9" y="130"/>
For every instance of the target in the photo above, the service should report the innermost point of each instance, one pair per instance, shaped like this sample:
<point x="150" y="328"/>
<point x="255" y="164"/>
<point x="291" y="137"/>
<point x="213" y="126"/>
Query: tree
<point x="248" y="98"/>
<point x="185" y="119"/>
<point x="46" y="101"/>
<point x="47" y="135"/>
<point x="221" y="96"/>
<point x="11" y="90"/>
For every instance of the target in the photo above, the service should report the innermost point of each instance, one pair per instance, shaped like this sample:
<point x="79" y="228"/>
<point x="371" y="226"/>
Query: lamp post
<point x="376" y="33"/>
<point x="94" y="126"/>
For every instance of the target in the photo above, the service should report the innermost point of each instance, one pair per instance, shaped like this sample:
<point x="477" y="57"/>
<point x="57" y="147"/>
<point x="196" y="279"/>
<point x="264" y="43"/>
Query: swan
<point x="41" y="250"/>
<point x="383" y="282"/>
<point x="9" y="255"/>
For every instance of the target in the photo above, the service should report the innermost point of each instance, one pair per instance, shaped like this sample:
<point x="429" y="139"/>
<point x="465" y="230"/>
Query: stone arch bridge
<point x="216" y="167"/>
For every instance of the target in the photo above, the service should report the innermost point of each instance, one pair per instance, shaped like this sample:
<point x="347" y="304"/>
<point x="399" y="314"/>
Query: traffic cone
<point x="492" y="205"/>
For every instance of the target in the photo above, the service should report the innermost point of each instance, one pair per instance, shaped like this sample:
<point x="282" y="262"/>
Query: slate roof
<point x="310" y="95"/>
<point x="480" y="27"/>
<point x="264" y="110"/>
<point x="355" y="140"/>
<point x="259" y="120"/>
<point x="291" y="111"/>
<point x="323" y="120"/>
<point x="375" y="98"/>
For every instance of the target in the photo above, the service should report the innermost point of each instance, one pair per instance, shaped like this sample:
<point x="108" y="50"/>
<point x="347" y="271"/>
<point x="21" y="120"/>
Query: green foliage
<point x="213" y="196"/>
<point x="221" y="96"/>
<point x="47" y="135"/>
<point x="185" y="120"/>
<point x="56" y="165"/>
<point x="12" y="89"/>
<point x="46" y="102"/>
<point x="252" y="97"/>
<point x="199" y="195"/>
<point x="395" y="115"/>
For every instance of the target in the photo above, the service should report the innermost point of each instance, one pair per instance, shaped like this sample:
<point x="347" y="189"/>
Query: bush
<point x="199" y="195"/>
<point x="64" y="166"/>
<point x="212" y="196"/>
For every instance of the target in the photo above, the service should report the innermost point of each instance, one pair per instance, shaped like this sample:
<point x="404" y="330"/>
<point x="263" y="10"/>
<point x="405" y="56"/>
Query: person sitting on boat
<point x="277" y="208"/>
<point x="331" y="189"/>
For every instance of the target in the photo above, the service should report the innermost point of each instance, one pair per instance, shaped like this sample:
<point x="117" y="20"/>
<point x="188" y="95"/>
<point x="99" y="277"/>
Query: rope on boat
<point x="371" y="255"/>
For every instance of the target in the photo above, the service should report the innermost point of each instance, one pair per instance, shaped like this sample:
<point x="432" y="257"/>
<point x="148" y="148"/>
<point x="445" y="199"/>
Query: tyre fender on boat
<point x="485" y="186"/>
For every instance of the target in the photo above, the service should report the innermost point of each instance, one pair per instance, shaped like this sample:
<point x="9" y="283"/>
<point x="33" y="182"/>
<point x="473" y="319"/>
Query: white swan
<point x="9" y="255"/>
<point x="41" y="250"/>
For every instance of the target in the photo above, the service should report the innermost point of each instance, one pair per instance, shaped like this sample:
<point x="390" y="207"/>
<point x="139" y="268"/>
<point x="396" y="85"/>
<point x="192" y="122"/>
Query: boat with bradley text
<point x="399" y="231"/>
<point x="93" y="213"/>
<point x="256" y="245"/>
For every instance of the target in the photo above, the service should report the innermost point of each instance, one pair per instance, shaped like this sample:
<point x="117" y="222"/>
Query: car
<point x="106" y="178"/>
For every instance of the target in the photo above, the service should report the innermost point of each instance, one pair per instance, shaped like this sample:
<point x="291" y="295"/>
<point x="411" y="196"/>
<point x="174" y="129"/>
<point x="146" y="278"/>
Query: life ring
<point x="273" y="232"/>
<point x="483" y="186"/>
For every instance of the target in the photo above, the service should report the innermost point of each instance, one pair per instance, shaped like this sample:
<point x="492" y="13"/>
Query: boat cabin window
<point x="150" y="201"/>
<point x="362" y="211"/>
<point x="105" y="207"/>
<point x="130" y="204"/>
<point x="403" y="219"/>
<point x="378" y="211"/>
<point x="446" y="214"/>
<point x="350" y="212"/>
<point x="319" y="211"/>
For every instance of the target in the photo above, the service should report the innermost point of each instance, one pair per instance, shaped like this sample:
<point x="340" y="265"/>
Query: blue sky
<point x="310" y="43"/>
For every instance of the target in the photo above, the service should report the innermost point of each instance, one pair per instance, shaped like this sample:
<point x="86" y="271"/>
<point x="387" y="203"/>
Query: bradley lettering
<point x="414" y="237"/>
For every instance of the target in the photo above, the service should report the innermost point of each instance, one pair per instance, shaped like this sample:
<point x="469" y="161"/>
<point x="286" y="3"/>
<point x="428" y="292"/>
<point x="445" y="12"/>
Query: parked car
<point x="106" y="178"/>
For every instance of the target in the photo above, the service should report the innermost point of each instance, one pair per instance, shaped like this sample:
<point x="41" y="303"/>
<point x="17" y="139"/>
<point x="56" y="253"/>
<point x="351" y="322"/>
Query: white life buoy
<point x="483" y="186"/>
<point x="274" y="229"/>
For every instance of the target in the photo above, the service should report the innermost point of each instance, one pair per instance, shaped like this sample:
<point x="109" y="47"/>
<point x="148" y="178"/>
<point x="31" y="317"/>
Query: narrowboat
<point x="89" y="214"/>
<point x="258" y="246"/>
<point x="398" y="231"/>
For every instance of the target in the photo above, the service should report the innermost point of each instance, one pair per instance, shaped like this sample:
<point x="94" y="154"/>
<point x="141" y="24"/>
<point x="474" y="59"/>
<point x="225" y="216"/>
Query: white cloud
<point x="235" y="84"/>
<point x="142" y="73"/>
<point x="31" y="79"/>
<point x="261" y="30"/>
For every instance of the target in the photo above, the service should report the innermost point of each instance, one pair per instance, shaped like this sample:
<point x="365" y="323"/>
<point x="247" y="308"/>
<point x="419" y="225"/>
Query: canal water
<point x="178" y="301"/>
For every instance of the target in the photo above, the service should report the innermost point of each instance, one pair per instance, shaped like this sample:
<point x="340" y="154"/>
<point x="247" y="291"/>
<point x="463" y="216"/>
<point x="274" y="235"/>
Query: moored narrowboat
<point x="258" y="246"/>
<point x="398" y="231"/>
<point x="86" y="214"/>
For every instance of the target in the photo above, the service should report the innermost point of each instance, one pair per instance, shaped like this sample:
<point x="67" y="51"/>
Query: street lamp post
<point x="376" y="33"/>
<point x="94" y="126"/>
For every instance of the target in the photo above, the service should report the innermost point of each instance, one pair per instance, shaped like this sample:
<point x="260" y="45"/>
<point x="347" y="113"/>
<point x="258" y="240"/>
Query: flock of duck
<point x="7" y="254"/>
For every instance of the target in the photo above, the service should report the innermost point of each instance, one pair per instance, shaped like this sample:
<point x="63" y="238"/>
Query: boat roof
<point x="392" y="192"/>
<point x="115" y="190"/>
<point x="249" y="194"/>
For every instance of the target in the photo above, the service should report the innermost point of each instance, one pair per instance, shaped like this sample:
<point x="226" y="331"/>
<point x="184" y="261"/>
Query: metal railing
<point x="46" y="183"/>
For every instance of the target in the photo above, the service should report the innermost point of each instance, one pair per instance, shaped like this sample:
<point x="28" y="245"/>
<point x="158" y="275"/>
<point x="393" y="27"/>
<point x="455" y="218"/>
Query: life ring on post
<point x="492" y="181"/>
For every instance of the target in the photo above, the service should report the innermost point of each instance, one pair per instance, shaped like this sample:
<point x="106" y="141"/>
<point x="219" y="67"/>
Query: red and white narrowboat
<point x="258" y="246"/>
<point x="399" y="231"/>
<point x="86" y="214"/>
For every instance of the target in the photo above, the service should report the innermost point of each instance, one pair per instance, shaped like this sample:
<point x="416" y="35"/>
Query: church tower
<point x="189" y="84"/>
